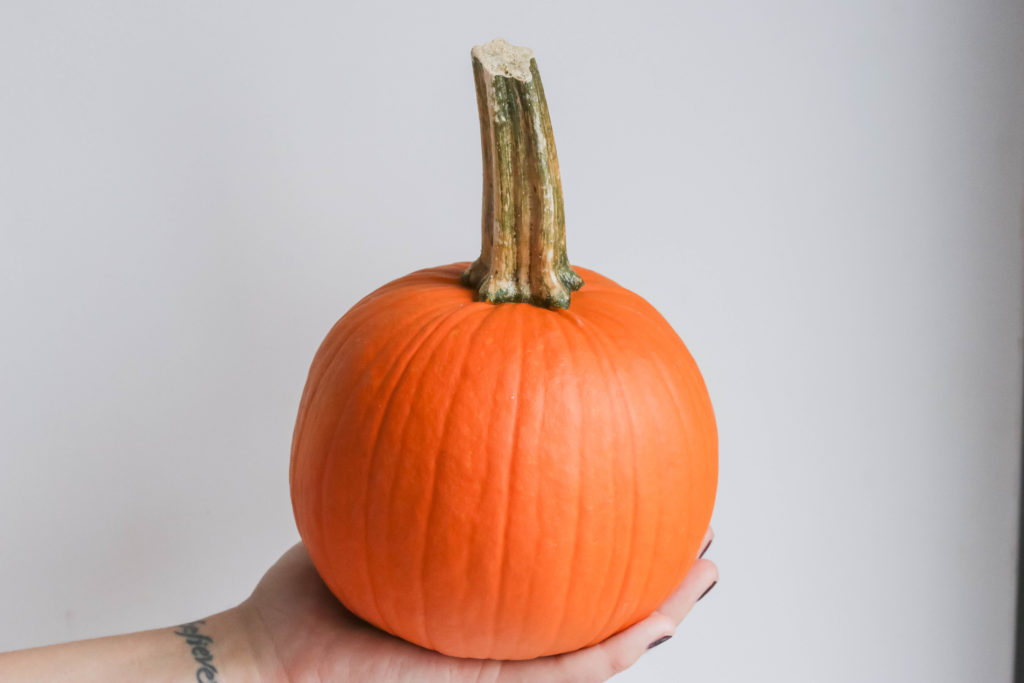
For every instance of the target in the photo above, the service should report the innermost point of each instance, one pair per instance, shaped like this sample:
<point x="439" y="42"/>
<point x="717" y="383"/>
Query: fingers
<point x="295" y="562"/>
<point x="706" y="543"/>
<point x="702" y="576"/>
<point x="296" y="555"/>
<point x="621" y="651"/>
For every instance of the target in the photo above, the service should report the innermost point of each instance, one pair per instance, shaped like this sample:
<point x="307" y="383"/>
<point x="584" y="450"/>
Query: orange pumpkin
<point x="486" y="467"/>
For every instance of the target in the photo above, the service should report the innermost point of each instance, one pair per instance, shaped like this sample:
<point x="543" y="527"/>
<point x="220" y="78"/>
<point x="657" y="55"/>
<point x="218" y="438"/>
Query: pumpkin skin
<point x="502" y="481"/>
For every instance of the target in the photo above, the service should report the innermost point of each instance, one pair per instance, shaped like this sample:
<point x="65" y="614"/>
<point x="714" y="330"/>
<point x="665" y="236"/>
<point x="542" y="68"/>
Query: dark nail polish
<point x="707" y="591"/>
<point x="658" y="642"/>
<point x="705" y="548"/>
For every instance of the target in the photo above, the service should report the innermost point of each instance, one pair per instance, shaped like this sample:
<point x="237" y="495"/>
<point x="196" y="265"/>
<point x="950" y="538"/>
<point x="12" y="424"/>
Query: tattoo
<point x="207" y="672"/>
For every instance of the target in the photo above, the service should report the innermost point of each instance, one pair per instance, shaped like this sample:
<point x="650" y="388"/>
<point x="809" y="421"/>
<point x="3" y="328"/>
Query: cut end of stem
<point x="522" y="256"/>
<point x="499" y="58"/>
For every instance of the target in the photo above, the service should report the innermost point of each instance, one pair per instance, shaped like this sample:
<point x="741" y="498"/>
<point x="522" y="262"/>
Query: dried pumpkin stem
<point x="522" y="256"/>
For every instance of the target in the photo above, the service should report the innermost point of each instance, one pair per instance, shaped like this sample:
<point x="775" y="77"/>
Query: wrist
<point x="256" y="647"/>
<point x="228" y="647"/>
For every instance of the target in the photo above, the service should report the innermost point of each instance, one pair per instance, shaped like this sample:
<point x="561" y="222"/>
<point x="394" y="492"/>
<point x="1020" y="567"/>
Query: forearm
<point x="216" y="649"/>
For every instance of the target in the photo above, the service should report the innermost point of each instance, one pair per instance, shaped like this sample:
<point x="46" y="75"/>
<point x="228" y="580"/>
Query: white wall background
<point x="824" y="198"/>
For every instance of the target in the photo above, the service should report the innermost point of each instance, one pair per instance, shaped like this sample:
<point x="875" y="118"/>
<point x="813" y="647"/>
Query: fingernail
<point x="707" y="591"/>
<point x="705" y="548"/>
<point x="658" y="642"/>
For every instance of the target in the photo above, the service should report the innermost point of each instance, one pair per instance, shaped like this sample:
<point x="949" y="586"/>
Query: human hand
<point x="303" y="633"/>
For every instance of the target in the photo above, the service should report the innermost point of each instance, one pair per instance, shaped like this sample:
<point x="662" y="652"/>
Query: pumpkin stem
<point x="522" y="257"/>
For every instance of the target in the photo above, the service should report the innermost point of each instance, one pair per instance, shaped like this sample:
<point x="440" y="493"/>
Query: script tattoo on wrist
<point x="207" y="672"/>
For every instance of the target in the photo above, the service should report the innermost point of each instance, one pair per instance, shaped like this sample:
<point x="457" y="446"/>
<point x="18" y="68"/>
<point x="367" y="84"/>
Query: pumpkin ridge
<point x="503" y="595"/>
<point x="545" y="422"/>
<point x="499" y="591"/>
<point x="658" y="520"/>
<point x="408" y="351"/>
<point x="431" y="504"/>
<point x="581" y="455"/>
<point x="316" y="375"/>
<point x="326" y="481"/>
<point x="627" y="612"/>
<point x="422" y="282"/>
<point x="664" y="334"/>
<point x="309" y="400"/>
<point x="656" y="336"/>
<point x="452" y="318"/>
<point x="319" y="370"/>
<point x="612" y="376"/>
<point x="658" y="340"/>
<point x="482" y="498"/>
<point x="626" y="302"/>
<point x="630" y="613"/>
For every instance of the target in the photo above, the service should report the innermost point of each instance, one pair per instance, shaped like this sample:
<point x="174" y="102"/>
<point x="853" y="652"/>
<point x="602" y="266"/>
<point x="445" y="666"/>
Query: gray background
<point x="824" y="198"/>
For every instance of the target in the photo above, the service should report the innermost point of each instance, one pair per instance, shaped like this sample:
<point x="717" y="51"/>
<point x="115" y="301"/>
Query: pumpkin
<point x="496" y="460"/>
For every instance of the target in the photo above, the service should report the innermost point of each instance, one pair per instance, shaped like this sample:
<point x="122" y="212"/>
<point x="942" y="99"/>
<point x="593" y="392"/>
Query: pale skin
<point x="292" y="630"/>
